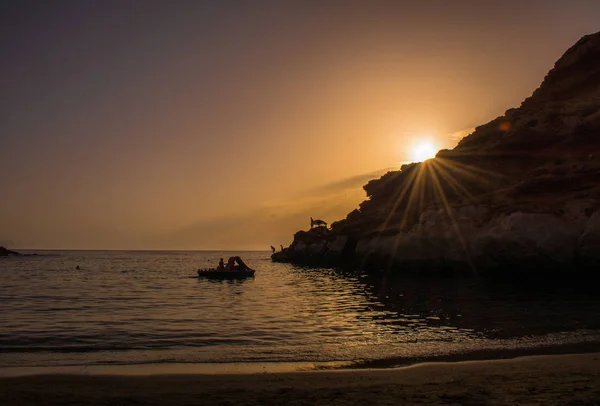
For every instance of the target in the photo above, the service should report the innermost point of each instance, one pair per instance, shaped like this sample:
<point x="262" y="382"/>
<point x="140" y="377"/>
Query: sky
<point x="227" y="124"/>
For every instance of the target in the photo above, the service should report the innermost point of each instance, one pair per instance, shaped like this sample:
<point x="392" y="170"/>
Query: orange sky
<point x="218" y="125"/>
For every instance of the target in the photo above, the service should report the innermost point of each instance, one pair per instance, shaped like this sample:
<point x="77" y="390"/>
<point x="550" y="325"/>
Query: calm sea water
<point x="149" y="307"/>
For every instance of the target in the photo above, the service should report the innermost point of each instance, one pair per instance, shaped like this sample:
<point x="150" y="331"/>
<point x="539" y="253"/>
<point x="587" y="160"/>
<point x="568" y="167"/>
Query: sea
<point x="150" y="308"/>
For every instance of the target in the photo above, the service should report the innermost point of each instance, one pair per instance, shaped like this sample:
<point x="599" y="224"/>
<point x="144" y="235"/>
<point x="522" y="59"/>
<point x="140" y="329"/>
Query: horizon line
<point x="140" y="250"/>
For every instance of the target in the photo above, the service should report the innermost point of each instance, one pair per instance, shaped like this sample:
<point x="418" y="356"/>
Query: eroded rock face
<point x="570" y="237"/>
<point x="507" y="239"/>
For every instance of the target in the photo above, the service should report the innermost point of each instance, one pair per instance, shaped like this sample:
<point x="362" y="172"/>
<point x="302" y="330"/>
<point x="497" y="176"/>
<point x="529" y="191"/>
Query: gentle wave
<point x="134" y="307"/>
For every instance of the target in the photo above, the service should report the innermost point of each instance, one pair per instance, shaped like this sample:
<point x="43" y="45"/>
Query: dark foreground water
<point x="149" y="307"/>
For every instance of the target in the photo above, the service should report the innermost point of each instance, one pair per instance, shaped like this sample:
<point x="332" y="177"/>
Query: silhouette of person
<point x="273" y="249"/>
<point x="281" y="247"/>
<point x="230" y="264"/>
<point x="221" y="264"/>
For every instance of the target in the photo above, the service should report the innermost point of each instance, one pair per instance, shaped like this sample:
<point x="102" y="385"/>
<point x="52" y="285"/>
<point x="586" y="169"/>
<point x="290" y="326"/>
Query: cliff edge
<point x="521" y="191"/>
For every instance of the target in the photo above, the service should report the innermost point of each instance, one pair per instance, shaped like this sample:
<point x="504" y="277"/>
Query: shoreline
<point x="539" y="379"/>
<point x="273" y="367"/>
<point x="589" y="347"/>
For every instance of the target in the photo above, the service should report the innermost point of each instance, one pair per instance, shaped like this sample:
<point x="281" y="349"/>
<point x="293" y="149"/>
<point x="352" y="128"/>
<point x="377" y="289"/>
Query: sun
<point x="423" y="151"/>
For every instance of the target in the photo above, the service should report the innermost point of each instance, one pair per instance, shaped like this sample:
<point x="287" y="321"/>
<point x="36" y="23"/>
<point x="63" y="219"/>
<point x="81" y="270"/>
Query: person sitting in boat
<point x="230" y="264"/>
<point x="221" y="265"/>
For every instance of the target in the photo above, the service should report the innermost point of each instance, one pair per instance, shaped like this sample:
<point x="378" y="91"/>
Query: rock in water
<point x="6" y="252"/>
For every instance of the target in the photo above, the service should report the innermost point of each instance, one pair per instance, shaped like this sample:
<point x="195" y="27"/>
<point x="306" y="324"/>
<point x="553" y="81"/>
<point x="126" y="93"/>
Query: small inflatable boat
<point x="231" y="271"/>
<point x="235" y="274"/>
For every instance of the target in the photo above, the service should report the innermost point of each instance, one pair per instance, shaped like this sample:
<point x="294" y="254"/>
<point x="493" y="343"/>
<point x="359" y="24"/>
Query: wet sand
<point x="536" y="380"/>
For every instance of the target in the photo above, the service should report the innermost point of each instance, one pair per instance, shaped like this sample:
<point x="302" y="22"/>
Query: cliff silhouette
<point x="522" y="191"/>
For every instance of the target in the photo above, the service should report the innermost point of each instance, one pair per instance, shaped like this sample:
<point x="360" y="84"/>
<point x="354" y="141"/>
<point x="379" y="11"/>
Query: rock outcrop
<point x="317" y="245"/>
<point x="520" y="191"/>
<point x="6" y="252"/>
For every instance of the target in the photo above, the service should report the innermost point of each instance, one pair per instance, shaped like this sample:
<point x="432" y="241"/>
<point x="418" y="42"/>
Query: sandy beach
<point x="543" y="380"/>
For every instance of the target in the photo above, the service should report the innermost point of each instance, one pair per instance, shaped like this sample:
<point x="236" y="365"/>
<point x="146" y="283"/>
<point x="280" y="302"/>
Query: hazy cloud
<point x="275" y="222"/>
<point x="351" y="182"/>
<point x="459" y="135"/>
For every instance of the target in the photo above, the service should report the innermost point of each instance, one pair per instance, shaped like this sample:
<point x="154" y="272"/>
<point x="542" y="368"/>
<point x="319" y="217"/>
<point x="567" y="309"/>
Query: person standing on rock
<point x="273" y="249"/>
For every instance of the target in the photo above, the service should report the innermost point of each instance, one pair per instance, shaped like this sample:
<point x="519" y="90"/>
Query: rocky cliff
<point x="521" y="191"/>
<point x="6" y="252"/>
